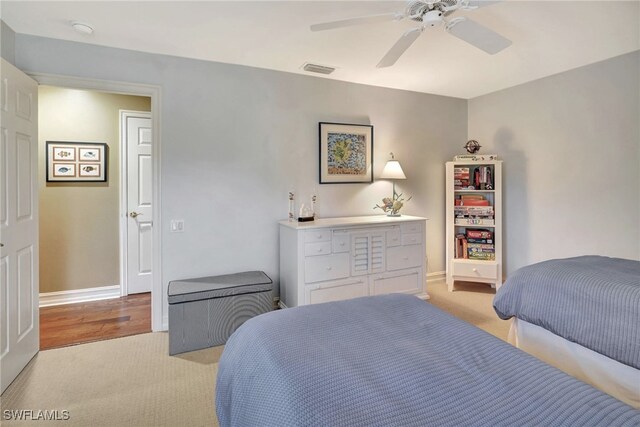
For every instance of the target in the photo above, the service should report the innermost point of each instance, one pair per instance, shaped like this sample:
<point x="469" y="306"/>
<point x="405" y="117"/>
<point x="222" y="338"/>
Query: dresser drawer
<point x="411" y="227"/>
<point x="317" y="236"/>
<point x="401" y="257"/>
<point x="412" y="239"/>
<point x="321" y="248"/>
<point x="394" y="238"/>
<point x="326" y="267"/>
<point x="340" y="242"/>
<point x="336" y="290"/>
<point x="480" y="269"/>
<point x="402" y="282"/>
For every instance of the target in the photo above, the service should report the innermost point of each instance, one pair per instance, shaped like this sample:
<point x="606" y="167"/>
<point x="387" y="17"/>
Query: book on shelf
<point x="481" y="247"/>
<point x="474" y="202"/>
<point x="478" y="234"/>
<point x="461" y="173"/>
<point x="482" y="256"/>
<point x="483" y="178"/>
<point x="474" y="221"/>
<point x="475" y="157"/>
<point x="473" y="211"/>
<point x="486" y="241"/>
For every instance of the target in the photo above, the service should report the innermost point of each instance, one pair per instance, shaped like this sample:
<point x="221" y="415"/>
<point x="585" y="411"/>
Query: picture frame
<point x="346" y="153"/>
<point x="76" y="161"/>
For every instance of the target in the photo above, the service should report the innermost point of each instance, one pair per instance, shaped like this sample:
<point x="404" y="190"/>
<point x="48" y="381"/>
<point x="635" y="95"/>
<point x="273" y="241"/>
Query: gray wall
<point x="7" y="42"/>
<point x="571" y="150"/>
<point x="236" y="139"/>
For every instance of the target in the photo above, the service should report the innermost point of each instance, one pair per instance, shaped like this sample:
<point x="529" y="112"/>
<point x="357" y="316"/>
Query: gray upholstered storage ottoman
<point x="204" y="312"/>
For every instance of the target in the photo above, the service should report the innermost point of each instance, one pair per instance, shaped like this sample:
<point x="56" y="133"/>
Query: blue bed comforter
<point x="394" y="360"/>
<point x="590" y="300"/>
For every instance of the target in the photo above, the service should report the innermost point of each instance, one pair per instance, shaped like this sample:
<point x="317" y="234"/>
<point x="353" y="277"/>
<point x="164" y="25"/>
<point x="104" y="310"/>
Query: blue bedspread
<point x="394" y="360"/>
<point x="590" y="300"/>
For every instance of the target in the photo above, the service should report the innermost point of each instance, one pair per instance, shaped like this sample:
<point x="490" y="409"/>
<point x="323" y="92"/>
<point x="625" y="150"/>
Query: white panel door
<point x="139" y="197"/>
<point x="19" y="288"/>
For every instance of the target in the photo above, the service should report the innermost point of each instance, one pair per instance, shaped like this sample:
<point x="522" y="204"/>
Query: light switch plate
<point x="177" y="225"/>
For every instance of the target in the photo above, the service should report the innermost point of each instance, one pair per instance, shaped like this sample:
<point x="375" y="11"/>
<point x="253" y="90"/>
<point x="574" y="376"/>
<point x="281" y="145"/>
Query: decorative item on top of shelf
<point x="475" y="157"/>
<point x="392" y="170"/>
<point x="346" y="153"/>
<point x="472" y="146"/>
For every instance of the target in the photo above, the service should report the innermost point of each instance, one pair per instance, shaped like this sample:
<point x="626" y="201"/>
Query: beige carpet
<point x="472" y="302"/>
<point x="127" y="381"/>
<point x="132" y="381"/>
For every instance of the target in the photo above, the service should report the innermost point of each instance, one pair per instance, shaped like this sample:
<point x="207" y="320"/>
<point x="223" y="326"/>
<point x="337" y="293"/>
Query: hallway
<point x="78" y="323"/>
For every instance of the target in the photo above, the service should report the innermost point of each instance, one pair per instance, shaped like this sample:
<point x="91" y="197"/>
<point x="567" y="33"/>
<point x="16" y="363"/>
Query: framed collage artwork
<point x="76" y="161"/>
<point x="346" y="153"/>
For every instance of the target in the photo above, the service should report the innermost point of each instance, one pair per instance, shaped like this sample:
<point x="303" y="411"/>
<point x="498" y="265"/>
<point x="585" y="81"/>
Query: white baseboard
<point x="438" y="276"/>
<point x="79" y="295"/>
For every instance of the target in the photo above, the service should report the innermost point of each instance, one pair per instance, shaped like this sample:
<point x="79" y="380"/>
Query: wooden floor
<point x="70" y="324"/>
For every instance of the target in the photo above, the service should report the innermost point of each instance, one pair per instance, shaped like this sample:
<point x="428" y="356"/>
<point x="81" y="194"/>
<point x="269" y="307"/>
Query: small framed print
<point x="89" y="169"/>
<point x="76" y="161"/>
<point x="89" y="154"/>
<point x="64" y="170"/>
<point x="64" y="154"/>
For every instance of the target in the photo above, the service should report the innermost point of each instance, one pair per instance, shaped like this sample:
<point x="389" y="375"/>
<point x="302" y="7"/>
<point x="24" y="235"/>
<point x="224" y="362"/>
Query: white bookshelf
<point x="473" y="270"/>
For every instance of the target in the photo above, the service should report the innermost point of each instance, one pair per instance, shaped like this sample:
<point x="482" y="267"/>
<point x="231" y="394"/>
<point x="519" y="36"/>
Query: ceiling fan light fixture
<point x="433" y="18"/>
<point x="82" y="28"/>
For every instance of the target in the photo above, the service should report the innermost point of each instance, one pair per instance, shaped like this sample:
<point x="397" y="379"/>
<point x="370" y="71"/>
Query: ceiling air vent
<point x="315" y="68"/>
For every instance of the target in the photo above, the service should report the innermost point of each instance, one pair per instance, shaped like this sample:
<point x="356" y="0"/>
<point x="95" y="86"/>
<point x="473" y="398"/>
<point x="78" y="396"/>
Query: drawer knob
<point x="475" y="270"/>
<point x="406" y="258"/>
<point x="319" y="250"/>
<point x="341" y="243"/>
<point x="329" y="268"/>
<point x="319" y="236"/>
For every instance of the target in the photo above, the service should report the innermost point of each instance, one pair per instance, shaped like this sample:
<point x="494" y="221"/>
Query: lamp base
<point x="394" y="214"/>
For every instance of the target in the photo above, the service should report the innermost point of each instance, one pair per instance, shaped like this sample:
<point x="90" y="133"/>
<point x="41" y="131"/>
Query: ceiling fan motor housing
<point x="433" y="18"/>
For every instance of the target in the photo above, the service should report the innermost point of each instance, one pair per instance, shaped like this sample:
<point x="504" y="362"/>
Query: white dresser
<point x="333" y="259"/>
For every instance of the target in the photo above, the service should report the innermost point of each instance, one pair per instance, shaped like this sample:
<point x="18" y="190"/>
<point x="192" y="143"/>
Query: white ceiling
<point x="548" y="37"/>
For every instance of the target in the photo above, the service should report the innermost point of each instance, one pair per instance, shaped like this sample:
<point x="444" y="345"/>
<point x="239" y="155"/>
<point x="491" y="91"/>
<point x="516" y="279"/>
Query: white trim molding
<point x="79" y="295"/>
<point x="438" y="276"/>
<point x="158" y="309"/>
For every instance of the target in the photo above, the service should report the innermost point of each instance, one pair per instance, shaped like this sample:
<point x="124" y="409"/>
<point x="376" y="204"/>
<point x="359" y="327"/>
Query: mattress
<point x="394" y="360"/>
<point x="612" y="377"/>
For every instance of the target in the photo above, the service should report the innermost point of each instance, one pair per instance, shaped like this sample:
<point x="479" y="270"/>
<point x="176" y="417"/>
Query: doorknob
<point x="134" y="214"/>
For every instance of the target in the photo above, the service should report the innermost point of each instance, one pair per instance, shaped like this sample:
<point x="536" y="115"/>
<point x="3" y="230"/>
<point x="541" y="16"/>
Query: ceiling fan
<point x="430" y="14"/>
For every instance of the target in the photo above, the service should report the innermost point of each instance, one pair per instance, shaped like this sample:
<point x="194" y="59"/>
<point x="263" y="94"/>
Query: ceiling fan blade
<point x="399" y="48"/>
<point x="474" y="4"/>
<point x="478" y="35"/>
<point x="357" y="21"/>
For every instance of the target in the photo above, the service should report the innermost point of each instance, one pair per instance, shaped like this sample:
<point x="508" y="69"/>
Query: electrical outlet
<point x="177" y="225"/>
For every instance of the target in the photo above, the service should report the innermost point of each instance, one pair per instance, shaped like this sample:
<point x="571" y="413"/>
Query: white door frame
<point x="124" y="219"/>
<point x="154" y="92"/>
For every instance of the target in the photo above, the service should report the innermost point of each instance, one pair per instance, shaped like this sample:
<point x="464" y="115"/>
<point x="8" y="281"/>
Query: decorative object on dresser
<point x="340" y="258"/>
<point x="292" y="205"/>
<point x="346" y="153"/>
<point x="474" y="221"/>
<point x="393" y="171"/>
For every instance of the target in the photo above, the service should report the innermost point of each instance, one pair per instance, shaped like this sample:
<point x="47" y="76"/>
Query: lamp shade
<point x="392" y="170"/>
